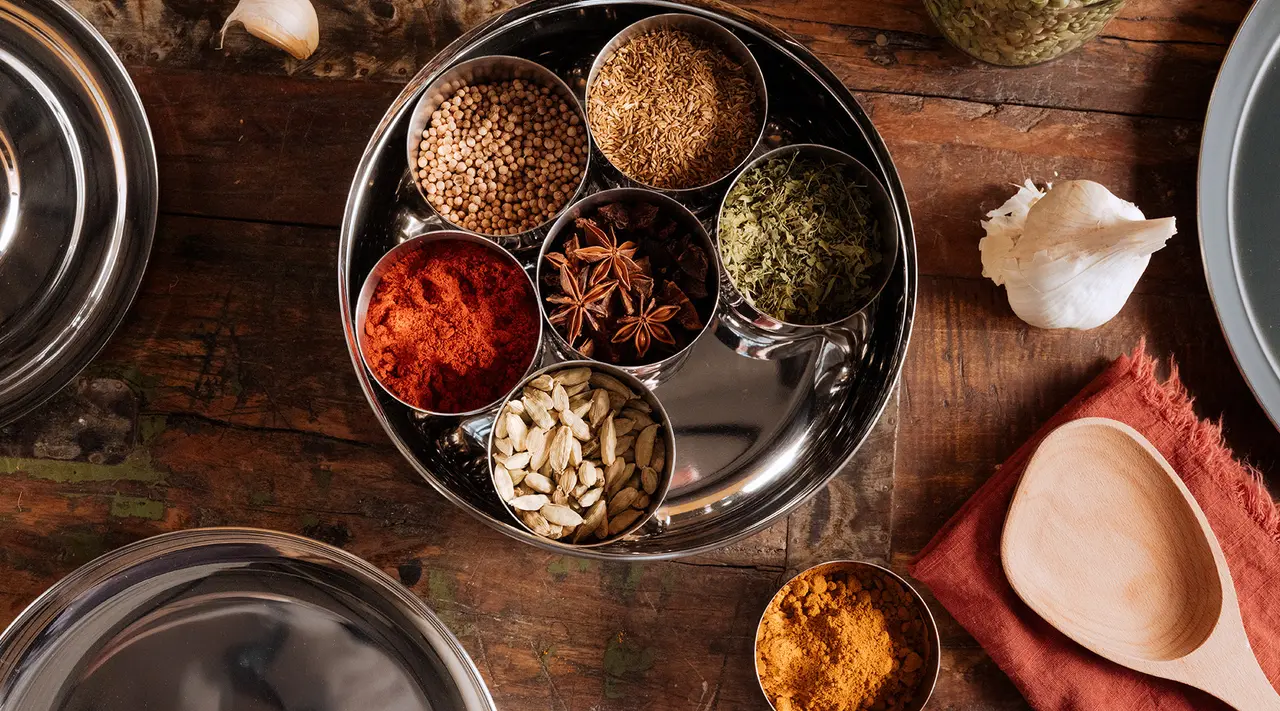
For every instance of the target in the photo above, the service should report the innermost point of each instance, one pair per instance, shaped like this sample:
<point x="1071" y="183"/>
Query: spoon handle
<point x="1238" y="680"/>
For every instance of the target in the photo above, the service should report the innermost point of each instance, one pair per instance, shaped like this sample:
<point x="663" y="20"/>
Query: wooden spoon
<point x="1104" y="542"/>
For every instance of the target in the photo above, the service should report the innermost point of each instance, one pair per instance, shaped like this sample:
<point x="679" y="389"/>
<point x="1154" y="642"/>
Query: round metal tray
<point x="232" y="618"/>
<point x="77" y="198"/>
<point x="1239" y="179"/>
<point x="763" y="421"/>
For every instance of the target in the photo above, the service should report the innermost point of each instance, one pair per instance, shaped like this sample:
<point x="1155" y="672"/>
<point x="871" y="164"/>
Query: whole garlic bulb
<point x="1069" y="256"/>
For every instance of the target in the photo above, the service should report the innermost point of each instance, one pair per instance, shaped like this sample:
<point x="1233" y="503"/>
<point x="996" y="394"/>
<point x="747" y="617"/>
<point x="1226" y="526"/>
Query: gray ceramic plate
<point x="77" y="198"/>
<point x="233" y="619"/>
<point x="762" y="421"/>
<point x="1240" y="201"/>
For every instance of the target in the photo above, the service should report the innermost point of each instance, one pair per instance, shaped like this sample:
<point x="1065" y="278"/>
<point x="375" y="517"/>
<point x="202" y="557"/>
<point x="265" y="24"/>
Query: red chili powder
<point x="451" y="327"/>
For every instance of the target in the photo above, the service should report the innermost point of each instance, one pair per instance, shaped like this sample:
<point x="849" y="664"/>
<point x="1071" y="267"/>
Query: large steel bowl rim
<point x="730" y="15"/>
<point x="31" y="620"/>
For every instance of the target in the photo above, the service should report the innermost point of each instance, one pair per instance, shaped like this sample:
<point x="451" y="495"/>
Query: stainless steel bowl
<point x="78" y="197"/>
<point x="233" y="618"/>
<point x="713" y="32"/>
<point x="757" y="435"/>
<point x="375" y="277"/>
<point x="651" y="373"/>
<point x="933" y="658"/>
<point x="888" y="235"/>
<point x="481" y="70"/>
<point x="668" y="440"/>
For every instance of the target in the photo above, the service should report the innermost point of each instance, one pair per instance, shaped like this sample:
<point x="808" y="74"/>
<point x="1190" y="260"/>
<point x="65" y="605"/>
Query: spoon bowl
<point x="1104" y="541"/>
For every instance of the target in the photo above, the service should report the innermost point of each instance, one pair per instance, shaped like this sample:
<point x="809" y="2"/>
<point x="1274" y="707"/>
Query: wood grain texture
<point x="381" y="40"/>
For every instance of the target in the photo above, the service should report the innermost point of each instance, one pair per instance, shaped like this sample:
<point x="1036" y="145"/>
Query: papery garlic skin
<point x="1070" y="256"/>
<point x="290" y="25"/>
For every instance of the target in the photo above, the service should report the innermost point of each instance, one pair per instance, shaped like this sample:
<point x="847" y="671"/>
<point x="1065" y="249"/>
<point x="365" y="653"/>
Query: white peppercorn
<point x="493" y="154"/>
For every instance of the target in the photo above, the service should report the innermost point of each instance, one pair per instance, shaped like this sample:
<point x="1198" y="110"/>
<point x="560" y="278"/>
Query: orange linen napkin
<point x="962" y="562"/>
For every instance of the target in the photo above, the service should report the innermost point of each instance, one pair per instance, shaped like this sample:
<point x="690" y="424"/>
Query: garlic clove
<point x="290" y="25"/>
<point x="1069" y="257"/>
<point x="1003" y="230"/>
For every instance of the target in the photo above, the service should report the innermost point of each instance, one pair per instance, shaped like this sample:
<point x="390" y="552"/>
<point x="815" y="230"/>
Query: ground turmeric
<point x="841" y="639"/>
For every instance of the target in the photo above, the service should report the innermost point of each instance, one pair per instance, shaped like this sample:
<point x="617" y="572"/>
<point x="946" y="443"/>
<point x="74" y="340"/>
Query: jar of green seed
<point x="1019" y="33"/>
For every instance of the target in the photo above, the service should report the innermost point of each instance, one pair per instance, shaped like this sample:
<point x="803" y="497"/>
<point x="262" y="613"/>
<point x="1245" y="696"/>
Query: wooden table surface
<point x="228" y="397"/>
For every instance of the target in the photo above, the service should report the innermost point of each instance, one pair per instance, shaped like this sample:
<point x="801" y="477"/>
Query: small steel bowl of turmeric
<point x="847" y="636"/>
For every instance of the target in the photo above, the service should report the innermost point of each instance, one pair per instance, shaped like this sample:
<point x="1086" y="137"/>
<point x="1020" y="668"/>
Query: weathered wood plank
<point x="969" y="681"/>
<point x="383" y="40"/>
<point x="1110" y="74"/>
<point x="766" y="550"/>
<point x="258" y="147"/>
<point x="238" y="322"/>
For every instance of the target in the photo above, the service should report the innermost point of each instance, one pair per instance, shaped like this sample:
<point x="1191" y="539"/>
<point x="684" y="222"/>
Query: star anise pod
<point x="581" y="301"/>
<point x="646" y="326"/>
<point x="693" y="261"/>
<point x="604" y="248"/>
<point x="688" y="314"/>
<point x="641" y="289"/>
<point x="643" y="215"/>
<point x="568" y="256"/>
<point x="615" y="215"/>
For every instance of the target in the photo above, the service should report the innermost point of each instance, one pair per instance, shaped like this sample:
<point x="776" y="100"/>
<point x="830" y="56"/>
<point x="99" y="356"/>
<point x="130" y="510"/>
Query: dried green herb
<point x="797" y="238"/>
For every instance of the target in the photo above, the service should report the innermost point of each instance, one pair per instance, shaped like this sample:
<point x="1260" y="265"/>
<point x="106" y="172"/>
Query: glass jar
<point x="1019" y="33"/>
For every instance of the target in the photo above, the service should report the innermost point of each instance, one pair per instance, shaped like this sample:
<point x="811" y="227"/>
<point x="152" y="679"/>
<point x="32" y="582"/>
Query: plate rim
<point x="1228" y="104"/>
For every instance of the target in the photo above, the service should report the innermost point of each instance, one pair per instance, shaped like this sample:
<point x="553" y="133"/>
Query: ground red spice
<point x="451" y="327"/>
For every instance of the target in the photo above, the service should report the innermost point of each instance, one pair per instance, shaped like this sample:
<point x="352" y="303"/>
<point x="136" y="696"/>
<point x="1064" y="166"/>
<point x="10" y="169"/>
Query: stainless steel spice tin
<point x="650" y="373"/>
<point x="477" y="71"/>
<point x="717" y="35"/>
<point x="888" y="235"/>
<point x="763" y="420"/>
<point x="933" y="658"/>
<point x="375" y="277"/>
<point x="659" y="415"/>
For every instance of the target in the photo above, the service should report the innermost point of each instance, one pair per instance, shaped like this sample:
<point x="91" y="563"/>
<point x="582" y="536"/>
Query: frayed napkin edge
<point x="1206" y="440"/>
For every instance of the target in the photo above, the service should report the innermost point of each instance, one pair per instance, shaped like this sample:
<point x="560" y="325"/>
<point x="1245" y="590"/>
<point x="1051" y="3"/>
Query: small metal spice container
<point x="931" y="663"/>
<point x="1020" y="33"/>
